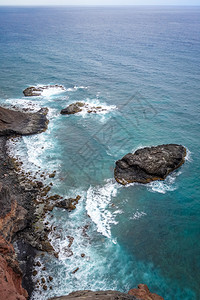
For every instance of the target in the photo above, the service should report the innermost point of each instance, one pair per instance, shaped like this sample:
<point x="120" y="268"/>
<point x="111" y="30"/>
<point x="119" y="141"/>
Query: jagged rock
<point x="10" y="274"/>
<point x="72" y="108"/>
<point x="69" y="203"/>
<point x="17" y="122"/>
<point x="149" y="164"/>
<point x="79" y="106"/>
<point x="100" y="295"/>
<point x="142" y="292"/>
<point x="37" y="90"/>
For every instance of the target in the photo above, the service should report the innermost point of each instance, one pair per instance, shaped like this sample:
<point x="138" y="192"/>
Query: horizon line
<point x="94" y="5"/>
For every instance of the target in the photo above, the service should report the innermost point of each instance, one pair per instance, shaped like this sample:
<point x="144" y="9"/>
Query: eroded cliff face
<point x="10" y="274"/>
<point x="143" y="293"/>
<point x="12" y="216"/>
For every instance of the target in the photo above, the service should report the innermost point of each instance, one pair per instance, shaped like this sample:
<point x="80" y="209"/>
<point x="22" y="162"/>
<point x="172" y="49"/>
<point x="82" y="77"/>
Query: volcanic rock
<point x="17" y="122"/>
<point x="37" y="90"/>
<point x="100" y="295"/>
<point x="69" y="203"/>
<point x="10" y="274"/>
<point x="12" y="215"/>
<point x="149" y="164"/>
<point x="80" y="106"/>
<point x="142" y="292"/>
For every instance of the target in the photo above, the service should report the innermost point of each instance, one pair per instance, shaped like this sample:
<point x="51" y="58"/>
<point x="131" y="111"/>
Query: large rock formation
<point x="100" y="295"/>
<point x="17" y="122"/>
<point x="149" y="163"/>
<point x="10" y="274"/>
<point x="142" y="292"/>
<point x="38" y="90"/>
<point x="80" y="106"/>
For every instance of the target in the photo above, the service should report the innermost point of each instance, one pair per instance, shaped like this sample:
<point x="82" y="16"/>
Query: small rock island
<point x="80" y="106"/>
<point x="149" y="164"/>
<point x="37" y="90"/>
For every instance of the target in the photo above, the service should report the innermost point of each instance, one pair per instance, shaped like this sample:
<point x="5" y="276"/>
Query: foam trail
<point x="75" y="88"/>
<point x="98" y="200"/>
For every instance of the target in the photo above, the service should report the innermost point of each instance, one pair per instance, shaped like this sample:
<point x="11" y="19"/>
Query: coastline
<point x="9" y="178"/>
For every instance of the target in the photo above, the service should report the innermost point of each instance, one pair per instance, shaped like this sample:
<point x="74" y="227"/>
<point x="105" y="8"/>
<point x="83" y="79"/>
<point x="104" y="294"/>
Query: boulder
<point x="149" y="164"/>
<point x="142" y="292"/>
<point x="17" y="122"/>
<point x="37" y="90"/>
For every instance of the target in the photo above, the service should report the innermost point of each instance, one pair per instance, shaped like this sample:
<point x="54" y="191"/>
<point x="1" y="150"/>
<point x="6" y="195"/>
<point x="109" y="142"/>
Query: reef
<point x="149" y="164"/>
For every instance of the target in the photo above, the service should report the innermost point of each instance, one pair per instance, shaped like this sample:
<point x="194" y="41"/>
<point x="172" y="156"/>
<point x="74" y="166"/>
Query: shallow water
<point x="142" y="65"/>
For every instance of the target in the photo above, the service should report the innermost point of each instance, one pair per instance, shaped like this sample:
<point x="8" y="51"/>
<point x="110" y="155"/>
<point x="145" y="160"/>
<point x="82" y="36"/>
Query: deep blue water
<point x="143" y="65"/>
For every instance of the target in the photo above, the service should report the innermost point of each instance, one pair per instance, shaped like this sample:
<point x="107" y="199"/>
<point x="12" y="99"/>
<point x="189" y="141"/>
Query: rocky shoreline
<point x="24" y="201"/>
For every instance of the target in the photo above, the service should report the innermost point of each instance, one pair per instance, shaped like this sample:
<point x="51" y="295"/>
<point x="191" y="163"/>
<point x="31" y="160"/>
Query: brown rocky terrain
<point x="142" y="292"/>
<point x="10" y="274"/>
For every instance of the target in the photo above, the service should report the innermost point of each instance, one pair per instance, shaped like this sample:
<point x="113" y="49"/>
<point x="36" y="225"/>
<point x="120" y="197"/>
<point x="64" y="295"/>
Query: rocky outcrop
<point x="149" y="164"/>
<point x="69" y="203"/>
<point x="100" y="295"/>
<point x="142" y="292"/>
<point x="10" y="274"/>
<point x="12" y="215"/>
<point x="80" y="106"/>
<point x="17" y="122"/>
<point x="38" y="90"/>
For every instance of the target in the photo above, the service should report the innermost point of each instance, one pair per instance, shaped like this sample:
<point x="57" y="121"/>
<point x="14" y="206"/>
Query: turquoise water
<point x="142" y="65"/>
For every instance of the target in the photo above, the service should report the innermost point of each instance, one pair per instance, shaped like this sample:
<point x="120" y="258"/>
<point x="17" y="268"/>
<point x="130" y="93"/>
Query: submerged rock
<point x="99" y="295"/>
<point x="37" y="90"/>
<point x="80" y="106"/>
<point x="149" y="164"/>
<point x="142" y="292"/>
<point x="17" y="122"/>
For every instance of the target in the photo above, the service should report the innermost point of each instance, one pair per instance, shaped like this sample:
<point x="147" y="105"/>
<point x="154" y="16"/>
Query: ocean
<point x="142" y="65"/>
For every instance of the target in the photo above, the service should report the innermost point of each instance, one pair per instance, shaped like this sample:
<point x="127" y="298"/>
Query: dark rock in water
<point x="149" y="164"/>
<point x="17" y="122"/>
<point x="142" y="292"/>
<point x="37" y="90"/>
<point x="79" y="106"/>
<point x="69" y="203"/>
<point x="72" y="108"/>
<point x="99" y="295"/>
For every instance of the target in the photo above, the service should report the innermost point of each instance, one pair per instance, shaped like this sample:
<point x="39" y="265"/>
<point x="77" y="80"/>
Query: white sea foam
<point x="97" y="204"/>
<point x="138" y="215"/>
<point x="21" y="103"/>
<point x="51" y="90"/>
<point x="75" y="88"/>
<point x="91" y="104"/>
<point x="188" y="156"/>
